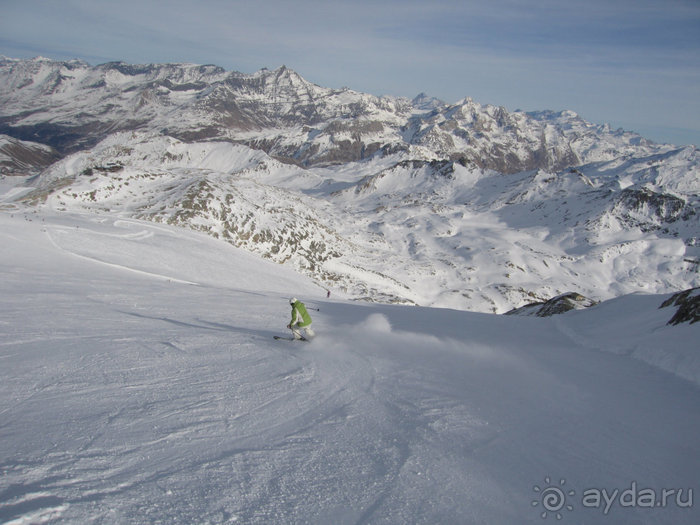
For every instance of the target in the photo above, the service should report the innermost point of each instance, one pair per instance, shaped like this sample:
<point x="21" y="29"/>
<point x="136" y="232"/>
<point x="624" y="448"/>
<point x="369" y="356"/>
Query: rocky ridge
<point x="389" y="199"/>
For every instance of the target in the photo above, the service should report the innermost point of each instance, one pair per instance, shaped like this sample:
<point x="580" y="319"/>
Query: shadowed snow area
<point x="140" y="383"/>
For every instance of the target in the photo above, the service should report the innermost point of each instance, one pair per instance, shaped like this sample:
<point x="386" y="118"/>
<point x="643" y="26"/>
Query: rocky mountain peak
<point x="460" y="205"/>
<point x="69" y="104"/>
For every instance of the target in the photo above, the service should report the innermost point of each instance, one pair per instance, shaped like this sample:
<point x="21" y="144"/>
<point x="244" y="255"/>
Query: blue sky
<point x="631" y="63"/>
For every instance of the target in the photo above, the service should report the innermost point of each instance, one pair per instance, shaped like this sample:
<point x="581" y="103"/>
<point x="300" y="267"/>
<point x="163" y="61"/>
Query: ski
<point x="279" y="337"/>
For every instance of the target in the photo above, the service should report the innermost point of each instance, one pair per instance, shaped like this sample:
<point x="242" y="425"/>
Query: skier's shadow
<point x="203" y="324"/>
<point x="267" y="334"/>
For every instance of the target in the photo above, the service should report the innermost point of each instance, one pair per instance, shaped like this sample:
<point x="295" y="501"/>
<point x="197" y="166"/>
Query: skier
<point x="300" y="319"/>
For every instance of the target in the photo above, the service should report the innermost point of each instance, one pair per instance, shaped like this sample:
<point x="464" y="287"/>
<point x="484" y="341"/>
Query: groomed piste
<point x="140" y="383"/>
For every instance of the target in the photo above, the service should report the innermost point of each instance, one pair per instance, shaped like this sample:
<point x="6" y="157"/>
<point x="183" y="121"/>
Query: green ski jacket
<point x="300" y="317"/>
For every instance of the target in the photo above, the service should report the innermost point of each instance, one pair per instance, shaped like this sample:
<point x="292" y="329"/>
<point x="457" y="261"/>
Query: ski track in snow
<point x="128" y="397"/>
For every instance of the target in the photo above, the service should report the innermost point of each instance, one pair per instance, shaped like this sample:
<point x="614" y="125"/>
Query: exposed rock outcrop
<point x="557" y="305"/>
<point x="687" y="304"/>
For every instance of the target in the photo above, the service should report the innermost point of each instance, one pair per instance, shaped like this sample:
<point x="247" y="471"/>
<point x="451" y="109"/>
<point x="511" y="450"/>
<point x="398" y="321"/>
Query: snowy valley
<point x="433" y="233"/>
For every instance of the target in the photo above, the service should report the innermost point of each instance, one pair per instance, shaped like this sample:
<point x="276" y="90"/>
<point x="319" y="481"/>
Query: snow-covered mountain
<point x="388" y="199"/>
<point x="20" y="157"/>
<point x="70" y="104"/>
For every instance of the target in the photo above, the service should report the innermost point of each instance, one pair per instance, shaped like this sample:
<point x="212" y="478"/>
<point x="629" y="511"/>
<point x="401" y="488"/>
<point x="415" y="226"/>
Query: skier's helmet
<point x="293" y="300"/>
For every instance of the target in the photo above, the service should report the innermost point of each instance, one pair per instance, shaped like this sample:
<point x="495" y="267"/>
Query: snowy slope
<point x="140" y="383"/>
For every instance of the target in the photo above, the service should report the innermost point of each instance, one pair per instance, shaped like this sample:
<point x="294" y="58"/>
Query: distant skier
<point x="300" y="320"/>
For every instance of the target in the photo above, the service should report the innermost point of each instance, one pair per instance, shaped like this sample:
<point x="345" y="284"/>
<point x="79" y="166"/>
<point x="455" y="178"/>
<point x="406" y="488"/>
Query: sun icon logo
<point x="553" y="498"/>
